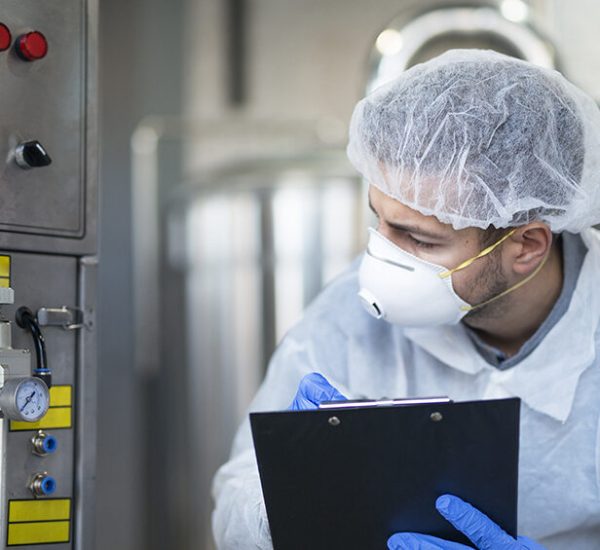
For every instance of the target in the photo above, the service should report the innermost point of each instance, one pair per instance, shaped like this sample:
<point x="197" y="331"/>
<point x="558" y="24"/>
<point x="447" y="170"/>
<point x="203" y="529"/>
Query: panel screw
<point x="436" y="417"/>
<point x="334" y="421"/>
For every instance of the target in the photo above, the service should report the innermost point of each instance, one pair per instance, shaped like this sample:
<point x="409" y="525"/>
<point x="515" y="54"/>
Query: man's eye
<point x="419" y="243"/>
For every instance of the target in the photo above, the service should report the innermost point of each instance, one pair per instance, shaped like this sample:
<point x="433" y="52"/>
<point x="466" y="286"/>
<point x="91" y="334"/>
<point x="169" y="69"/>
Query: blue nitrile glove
<point x="480" y="529"/>
<point x="314" y="389"/>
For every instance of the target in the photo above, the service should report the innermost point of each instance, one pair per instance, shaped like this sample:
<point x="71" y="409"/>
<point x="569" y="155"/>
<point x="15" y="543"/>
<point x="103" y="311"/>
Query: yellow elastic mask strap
<point x="483" y="253"/>
<point x="518" y="285"/>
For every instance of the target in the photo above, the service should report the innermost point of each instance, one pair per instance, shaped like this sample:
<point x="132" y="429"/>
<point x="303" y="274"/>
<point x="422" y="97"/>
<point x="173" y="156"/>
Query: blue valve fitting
<point x="43" y="443"/>
<point x="42" y="485"/>
<point x="49" y="444"/>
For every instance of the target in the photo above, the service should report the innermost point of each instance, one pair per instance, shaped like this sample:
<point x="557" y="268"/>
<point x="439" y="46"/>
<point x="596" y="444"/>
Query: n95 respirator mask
<point x="408" y="291"/>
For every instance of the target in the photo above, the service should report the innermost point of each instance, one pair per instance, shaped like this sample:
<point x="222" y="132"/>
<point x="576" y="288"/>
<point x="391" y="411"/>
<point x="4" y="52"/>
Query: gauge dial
<point x="32" y="399"/>
<point x="24" y="398"/>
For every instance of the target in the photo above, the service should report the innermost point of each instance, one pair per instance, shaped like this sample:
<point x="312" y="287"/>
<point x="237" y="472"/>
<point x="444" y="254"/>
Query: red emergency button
<point x="5" y="37"/>
<point x="32" y="46"/>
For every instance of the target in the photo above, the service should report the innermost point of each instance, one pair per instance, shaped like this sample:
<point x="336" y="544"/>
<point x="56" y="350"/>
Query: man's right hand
<point x="313" y="389"/>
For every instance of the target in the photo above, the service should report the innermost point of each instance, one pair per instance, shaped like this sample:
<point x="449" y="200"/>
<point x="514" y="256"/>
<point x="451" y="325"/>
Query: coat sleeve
<point x="239" y="519"/>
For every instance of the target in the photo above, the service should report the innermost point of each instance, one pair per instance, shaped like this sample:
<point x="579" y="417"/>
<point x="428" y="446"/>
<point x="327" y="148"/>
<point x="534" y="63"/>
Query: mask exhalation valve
<point x="370" y="303"/>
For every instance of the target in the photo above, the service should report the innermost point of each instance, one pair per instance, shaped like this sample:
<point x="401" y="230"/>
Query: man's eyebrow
<point x="417" y="230"/>
<point x="410" y="228"/>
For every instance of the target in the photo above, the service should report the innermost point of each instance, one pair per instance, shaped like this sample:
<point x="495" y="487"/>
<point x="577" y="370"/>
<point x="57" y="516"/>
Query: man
<point x="484" y="175"/>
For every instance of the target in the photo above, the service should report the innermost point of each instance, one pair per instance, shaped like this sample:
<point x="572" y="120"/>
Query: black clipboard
<point x="350" y="478"/>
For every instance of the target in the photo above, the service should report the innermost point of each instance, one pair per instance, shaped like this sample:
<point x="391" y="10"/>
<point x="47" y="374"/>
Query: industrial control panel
<point x="48" y="264"/>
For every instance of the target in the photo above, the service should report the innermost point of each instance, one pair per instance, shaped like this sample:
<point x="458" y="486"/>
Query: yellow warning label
<point x="59" y="415"/>
<point x="39" y="510"/>
<point x="61" y="396"/>
<point x="41" y="532"/>
<point x="5" y="267"/>
<point x="56" y="417"/>
<point x="39" y="521"/>
<point x="4" y="282"/>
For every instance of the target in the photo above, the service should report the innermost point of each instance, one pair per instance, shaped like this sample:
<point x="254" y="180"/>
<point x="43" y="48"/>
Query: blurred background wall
<point x="225" y="104"/>
<point x="141" y="46"/>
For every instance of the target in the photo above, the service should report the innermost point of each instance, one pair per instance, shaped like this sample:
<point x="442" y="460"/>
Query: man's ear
<point x="530" y="244"/>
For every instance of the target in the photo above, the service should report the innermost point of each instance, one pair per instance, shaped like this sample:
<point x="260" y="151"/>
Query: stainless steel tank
<point x="239" y="252"/>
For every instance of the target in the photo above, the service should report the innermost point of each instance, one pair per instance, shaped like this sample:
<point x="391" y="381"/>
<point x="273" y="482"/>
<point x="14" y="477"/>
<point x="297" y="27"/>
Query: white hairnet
<point x="476" y="138"/>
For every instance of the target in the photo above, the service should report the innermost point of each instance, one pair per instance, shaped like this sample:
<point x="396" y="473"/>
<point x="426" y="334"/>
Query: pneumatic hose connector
<point x="26" y="320"/>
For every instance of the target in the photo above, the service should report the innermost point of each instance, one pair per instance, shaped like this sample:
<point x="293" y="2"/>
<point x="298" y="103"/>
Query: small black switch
<point x="31" y="154"/>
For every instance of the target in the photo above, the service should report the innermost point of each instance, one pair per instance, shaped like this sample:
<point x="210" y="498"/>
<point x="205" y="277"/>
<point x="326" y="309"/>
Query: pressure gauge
<point x="24" y="398"/>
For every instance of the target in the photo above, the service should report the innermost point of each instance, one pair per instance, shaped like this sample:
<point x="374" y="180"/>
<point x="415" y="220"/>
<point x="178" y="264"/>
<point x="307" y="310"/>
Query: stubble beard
<point x="490" y="283"/>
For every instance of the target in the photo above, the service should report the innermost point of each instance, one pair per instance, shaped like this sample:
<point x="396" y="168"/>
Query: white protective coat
<point x="559" y="383"/>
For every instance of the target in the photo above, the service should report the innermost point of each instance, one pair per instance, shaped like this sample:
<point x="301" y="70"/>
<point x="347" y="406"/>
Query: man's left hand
<point x="314" y="388"/>
<point x="480" y="529"/>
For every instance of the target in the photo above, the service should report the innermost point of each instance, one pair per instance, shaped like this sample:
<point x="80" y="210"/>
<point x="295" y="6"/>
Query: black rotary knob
<point x="31" y="154"/>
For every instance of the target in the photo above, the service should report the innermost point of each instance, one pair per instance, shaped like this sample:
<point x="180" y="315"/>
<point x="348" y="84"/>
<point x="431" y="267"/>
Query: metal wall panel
<point x="51" y="100"/>
<point x="43" y="281"/>
<point x="43" y="100"/>
<point x="48" y="220"/>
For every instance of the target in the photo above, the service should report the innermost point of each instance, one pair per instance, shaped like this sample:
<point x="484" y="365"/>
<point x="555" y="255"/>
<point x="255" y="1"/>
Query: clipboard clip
<point x="369" y="403"/>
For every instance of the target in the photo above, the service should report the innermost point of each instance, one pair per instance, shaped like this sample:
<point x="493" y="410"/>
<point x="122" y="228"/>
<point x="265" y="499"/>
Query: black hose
<point x="26" y="320"/>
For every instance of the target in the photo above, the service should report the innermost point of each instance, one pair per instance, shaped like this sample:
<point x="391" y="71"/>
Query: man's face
<point x="439" y="243"/>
